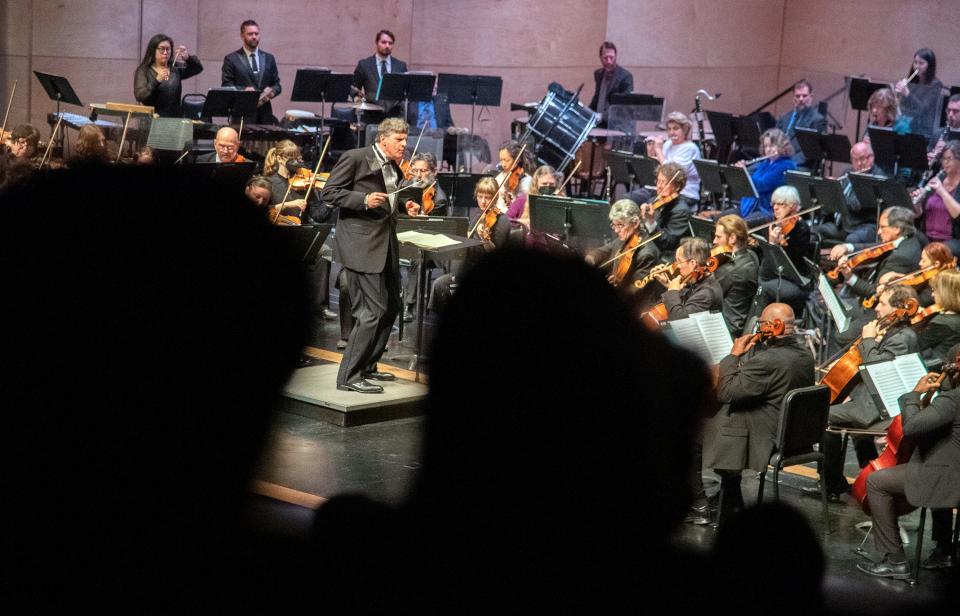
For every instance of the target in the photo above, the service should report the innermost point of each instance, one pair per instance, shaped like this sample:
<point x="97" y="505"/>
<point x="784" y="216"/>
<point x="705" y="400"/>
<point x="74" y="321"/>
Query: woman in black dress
<point x="158" y="78"/>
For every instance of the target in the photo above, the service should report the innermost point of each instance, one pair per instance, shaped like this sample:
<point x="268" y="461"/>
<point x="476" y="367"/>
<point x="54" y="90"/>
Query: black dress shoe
<point x="328" y="314"/>
<point x="379" y="376"/>
<point x="885" y="568"/>
<point x="814" y="491"/>
<point x="361" y="387"/>
<point x="341" y="344"/>
<point x="698" y="514"/>
<point x="939" y="559"/>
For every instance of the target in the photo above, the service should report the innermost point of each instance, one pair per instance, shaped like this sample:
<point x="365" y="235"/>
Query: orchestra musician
<point x="250" y="68"/>
<point x="423" y="169"/>
<point x="677" y="148"/>
<point x="767" y="176"/>
<point x="365" y="243"/>
<point x="610" y="78"/>
<point x="544" y="181"/>
<point x="939" y="202"/>
<point x="91" y="146"/>
<point x="260" y="191"/>
<point x="796" y="243"/>
<point x="226" y="148"/>
<point x="751" y="385"/>
<point x="509" y="151"/>
<point x="857" y="223"/>
<point x="803" y="115"/>
<point x="920" y="96"/>
<point x="953" y="124"/>
<point x="686" y="292"/>
<point x="369" y="71"/>
<point x="934" y="255"/>
<point x="942" y="330"/>
<point x="931" y="478"/>
<point x="24" y="143"/>
<point x="673" y="217"/>
<point x="625" y="222"/>
<point x="158" y="80"/>
<point x="280" y="167"/>
<point x="884" y="108"/>
<point x="737" y="275"/>
<point x="876" y="344"/>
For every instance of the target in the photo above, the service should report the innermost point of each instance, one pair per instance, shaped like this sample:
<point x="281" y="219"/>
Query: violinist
<point x="625" y="222"/>
<point x="942" y="330"/>
<point x="519" y="180"/>
<point x="260" y="191"/>
<point x="693" y="289"/>
<point x="157" y="81"/>
<point x="751" y="385"/>
<point x="25" y="143"/>
<point x="793" y="234"/>
<point x="857" y="222"/>
<point x="226" y="146"/>
<point x="288" y="187"/>
<point x="930" y="479"/>
<point x="672" y="216"/>
<point x="934" y="257"/>
<point x="880" y="340"/>
<point x="91" y="146"/>
<point x="423" y="169"/>
<point x="939" y="202"/>
<point x="767" y="176"/>
<point x="737" y="273"/>
<point x="545" y="181"/>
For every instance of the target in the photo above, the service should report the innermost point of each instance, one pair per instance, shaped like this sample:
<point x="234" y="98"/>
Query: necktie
<point x="793" y="119"/>
<point x="382" y="68"/>
<point x="253" y="63"/>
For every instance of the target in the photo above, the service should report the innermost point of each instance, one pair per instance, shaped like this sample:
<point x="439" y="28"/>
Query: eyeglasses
<point x="782" y="204"/>
<point x="164" y="49"/>
<point x="618" y="225"/>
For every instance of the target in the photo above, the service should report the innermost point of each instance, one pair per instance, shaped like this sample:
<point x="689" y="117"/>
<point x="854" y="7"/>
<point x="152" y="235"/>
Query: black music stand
<point x="170" y="134"/>
<point x="406" y="87"/>
<point x="459" y="189"/>
<point x="581" y="223"/>
<point x="817" y="191"/>
<point x="234" y="175"/>
<point x="703" y="228"/>
<point x="821" y="147"/>
<point x="730" y="129"/>
<point x="58" y="89"/>
<point x="305" y="241"/>
<point x="859" y="91"/>
<point x="473" y="90"/>
<point x="230" y="103"/>
<point x="627" y="168"/>
<point x="775" y="262"/>
<point x="884" y="192"/>
<point x="726" y="181"/>
<point x="319" y="85"/>
<point x="890" y="148"/>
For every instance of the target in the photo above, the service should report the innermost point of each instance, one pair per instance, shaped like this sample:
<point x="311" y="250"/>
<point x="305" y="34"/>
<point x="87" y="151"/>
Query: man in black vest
<point x="366" y="244"/>
<point x="248" y="68"/>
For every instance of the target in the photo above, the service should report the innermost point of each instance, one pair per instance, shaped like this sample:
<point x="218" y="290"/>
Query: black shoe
<point x="940" y="558"/>
<point x="832" y="496"/>
<point x="328" y="314"/>
<point x="698" y="514"/>
<point x="885" y="568"/>
<point x="408" y="314"/>
<point x="379" y="376"/>
<point x="304" y="362"/>
<point x="361" y="387"/>
<point x="341" y="344"/>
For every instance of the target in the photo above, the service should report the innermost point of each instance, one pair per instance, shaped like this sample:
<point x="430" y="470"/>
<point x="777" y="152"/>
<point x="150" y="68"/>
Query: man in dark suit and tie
<point x="369" y="71"/>
<point x="248" y="68"/>
<point x="804" y="115"/>
<point x="365" y="243"/>
<point x="611" y="79"/>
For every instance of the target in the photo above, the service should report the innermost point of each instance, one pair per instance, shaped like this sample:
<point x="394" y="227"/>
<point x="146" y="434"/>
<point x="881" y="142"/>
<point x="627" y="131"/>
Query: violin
<point x="786" y="227"/>
<point x="658" y="315"/>
<point x="429" y="195"/>
<point x="488" y="220"/>
<point x="913" y="279"/>
<point x="866" y="255"/>
<point x="304" y="178"/>
<point x="898" y="449"/>
<point x="841" y="377"/>
<point x="663" y="199"/>
<point x="925" y="313"/>
<point x="768" y="329"/>
<point x="622" y="267"/>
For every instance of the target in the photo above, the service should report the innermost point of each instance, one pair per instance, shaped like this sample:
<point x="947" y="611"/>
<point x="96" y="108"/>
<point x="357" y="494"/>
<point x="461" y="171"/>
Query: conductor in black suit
<point x="611" y="79"/>
<point x="370" y="70"/>
<point x="366" y="245"/>
<point x="248" y="68"/>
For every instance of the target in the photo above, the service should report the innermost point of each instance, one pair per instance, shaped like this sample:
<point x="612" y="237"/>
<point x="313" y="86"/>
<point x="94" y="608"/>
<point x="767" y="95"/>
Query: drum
<point x="559" y="127"/>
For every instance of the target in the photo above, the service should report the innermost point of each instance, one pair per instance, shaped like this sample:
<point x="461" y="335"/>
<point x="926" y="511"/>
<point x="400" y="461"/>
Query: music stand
<point x="775" y="262"/>
<point x="890" y="148"/>
<point x="459" y="189"/>
<point x="58" y="89"/>
<point x="319" y="85"/>
<point x="585" y="222"/>
<point x="703" y="228"/>
<point x="473" y="90"/>
<point x="170" y="133"/>
<point x="627" y="168"/>
<point x="817" y="191"/>
<point x="406" y="87"/>
<point x="230" y="103"/>
<point x="821" y="147"/>
<point x="727" y="181"/>
<point x="233" y="174"/>
<point x="884" y="192"/>
<point x="859" y="91"/>
<point x="730" y="129"/>
<point x="305" y="241"/>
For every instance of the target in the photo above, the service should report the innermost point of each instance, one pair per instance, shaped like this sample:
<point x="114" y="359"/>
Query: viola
<point x="622" y="267"/>
<point x="429" y="195"/>
<point x="866" y="255"/>
<point x="663" y="199"/>
<point x="842" y="375"/>
<point x="655" y="317"/>
<point x="925" y="313"/>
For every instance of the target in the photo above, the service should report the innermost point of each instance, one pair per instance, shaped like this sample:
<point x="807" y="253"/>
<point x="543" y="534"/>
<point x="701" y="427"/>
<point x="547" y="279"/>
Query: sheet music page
<point x="686" y="334"/>
<point x="833" y="304"/>
<point x="426" y="240"/>
<point x="704" y="333"/>
<point x="894" y="378"/>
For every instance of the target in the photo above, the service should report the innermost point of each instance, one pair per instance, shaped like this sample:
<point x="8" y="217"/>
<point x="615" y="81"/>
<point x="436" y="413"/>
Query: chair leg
<point x="823" y="498"/>
<point x="776" y="482"/>
<point x="763" y="478"/>
<point x="915" y="566"/>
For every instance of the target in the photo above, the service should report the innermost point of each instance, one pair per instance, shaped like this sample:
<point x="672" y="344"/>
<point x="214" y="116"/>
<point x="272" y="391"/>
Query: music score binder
<point x="704" y="333"/>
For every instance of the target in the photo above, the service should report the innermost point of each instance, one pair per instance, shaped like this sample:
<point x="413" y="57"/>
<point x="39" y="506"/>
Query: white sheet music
<point x="425" y="240"/>
<point x="894" y="378"/>
<point x="704" y="333"/>
<point x="833" y="304"/>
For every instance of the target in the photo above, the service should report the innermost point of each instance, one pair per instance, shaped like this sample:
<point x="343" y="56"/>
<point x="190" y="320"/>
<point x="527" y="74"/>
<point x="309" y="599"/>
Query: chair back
<point x="803" y="420"/>
<point x="192" y="105"/>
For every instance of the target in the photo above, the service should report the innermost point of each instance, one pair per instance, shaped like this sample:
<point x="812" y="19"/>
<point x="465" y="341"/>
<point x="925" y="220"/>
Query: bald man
<point x="226" y="146"/>
<point x="857" y="224"/>
<point x="752" y="383"/>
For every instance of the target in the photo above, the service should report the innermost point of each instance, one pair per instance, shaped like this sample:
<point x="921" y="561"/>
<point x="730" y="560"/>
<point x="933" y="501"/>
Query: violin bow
<point x="780" y="222"/>
<point x="53" y="137"/>
<point x="416" y="146"/>
<point x="123" y="137"/>
<point x="6" y="114"/>
<point x="624" y="253"/>
<point x="316" y="170"/>
<point x="499" y="187"/>
<point x="567" y="179"/>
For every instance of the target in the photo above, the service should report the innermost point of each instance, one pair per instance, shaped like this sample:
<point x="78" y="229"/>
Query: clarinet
<point x="937" y="151"/>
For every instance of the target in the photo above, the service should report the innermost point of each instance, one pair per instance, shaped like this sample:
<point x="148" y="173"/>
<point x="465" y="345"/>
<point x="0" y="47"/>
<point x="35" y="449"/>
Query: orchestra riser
<point x="312" y="392"/>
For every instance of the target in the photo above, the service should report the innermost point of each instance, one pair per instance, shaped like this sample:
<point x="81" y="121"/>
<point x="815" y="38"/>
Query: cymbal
<point x="362" y="106"/>
<point x="606" y="132"/>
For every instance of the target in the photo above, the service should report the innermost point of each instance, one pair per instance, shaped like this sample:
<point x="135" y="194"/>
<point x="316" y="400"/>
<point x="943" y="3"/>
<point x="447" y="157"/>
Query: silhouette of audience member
<point x="144" y="345"/>
<point x="556" y="457"/>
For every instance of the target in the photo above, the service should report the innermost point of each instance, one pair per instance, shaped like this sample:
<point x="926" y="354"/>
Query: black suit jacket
<point x="856" y="214"/>
<point x="808" y="118"/>
<point x="703" y="296"/>
<point x="933" y="478"/>
<point x="236" y="72"/>
<point x="365" y="77"/>
<point x="939" y="335"/>
<point x="643" y="260"/>
<point x="363" y="235"/>
<point x="622" y="84"/>
<point x="674" y="220"/>
<point x="738" y="281"/>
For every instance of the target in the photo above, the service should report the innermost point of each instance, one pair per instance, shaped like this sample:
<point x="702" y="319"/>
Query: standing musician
<point x="767" y="176"/>
<point x="876" y="344"/>
<point x="803" y="115"/>
<point x="793" y="234"/>
<point x="939" y="202"/>
<point x="226" y="148"/>
<point x="738" y="274"/>
<point x="544" y="181"/>
<point x="942" y="331"/>
<point x="672" y="218"/>
<point x="520" y="180"/>
<point x="857" y="223"/>
<point x="931" y="478"/>
<point x="366" y="244"/>
<point x="678" y="148"/>
<point x="610" y="78"/>
<point x="751" y="385"/>
<point x="630" y="266"/>
<point x="689" y="292"/>
<point x="369" y="71"/>
<point x="250" y="68"/>
<point x="920" y="96"/>
<point x="157" y="81"/>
